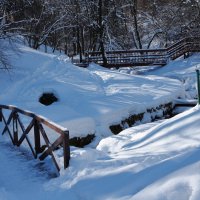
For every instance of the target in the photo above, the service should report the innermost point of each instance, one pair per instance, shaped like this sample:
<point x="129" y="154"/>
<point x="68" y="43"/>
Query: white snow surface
<point x="155" y="161"/>
<point x="90" y="100"/>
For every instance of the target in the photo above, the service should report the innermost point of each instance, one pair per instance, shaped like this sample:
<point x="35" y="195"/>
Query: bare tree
<point x="78" y="26"/>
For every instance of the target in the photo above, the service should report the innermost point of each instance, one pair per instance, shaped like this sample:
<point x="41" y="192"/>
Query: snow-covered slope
<point x="163" y="158"/>
<point x="90" y="100"/>
<point x="183" y="70"/>
<point x="155" y="161"/>
<point x="158" y="161"/>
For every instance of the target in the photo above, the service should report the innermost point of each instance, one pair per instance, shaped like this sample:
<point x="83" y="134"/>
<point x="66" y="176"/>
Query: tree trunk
<point x="134" y="13"/>
<point x="101" y="32"/>
<point x="79" y="49"/>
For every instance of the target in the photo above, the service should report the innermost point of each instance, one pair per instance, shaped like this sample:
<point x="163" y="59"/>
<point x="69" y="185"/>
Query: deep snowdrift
<point x="90" y="100"/>
<point x="163" y="158"/>
<point x="156" y="161"/>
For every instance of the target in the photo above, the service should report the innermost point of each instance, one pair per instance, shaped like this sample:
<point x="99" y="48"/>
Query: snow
<point x="90" y="100"/>
<point x="186" y="74"/>
<point x="161" y="157"/>
<point x="156" y="161"/>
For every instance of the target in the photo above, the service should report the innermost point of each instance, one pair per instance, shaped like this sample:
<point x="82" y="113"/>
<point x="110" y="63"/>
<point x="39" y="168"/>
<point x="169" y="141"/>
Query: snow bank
<point x="183" y="70"/>
<point x="90" y="100"/>
<point x="154" y="161"/>
<point x="158" y="161"/>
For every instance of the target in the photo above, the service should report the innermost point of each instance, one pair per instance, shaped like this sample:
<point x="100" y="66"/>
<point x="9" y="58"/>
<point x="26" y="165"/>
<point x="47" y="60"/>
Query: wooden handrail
<point x="36" y="124"/>
<point x="184" y="40"/>
<point x="128" y="51"/>
<point x="39" y="118"/>
<point x="146" y="56"/>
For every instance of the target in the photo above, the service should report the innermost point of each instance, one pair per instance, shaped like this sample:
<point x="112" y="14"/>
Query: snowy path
<point x="22" y="177"/>
<point x="19" y="172"/>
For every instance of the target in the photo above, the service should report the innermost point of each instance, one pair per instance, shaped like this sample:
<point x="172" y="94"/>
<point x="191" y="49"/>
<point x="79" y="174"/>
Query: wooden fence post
<point x="1" y="115"/>
<point x="15" y="128"/>
<point x="37" y="137"/>
<point x="66" y="149"/>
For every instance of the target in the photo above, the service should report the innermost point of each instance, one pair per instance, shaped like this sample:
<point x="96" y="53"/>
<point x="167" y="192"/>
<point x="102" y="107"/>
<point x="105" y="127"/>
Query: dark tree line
<point x="78" y="26"/>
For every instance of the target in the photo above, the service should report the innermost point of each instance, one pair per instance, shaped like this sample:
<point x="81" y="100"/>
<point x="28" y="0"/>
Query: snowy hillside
<point x="90" y="100"/>
<point x="158" y="157"/>
<point x="155" y="161"/>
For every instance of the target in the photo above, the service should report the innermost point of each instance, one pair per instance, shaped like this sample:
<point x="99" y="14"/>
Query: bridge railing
<point x="186" y="45"/>
<point x="39" y="144"/>
<point x="146" y="56"/>
<point x="137" y="57"/>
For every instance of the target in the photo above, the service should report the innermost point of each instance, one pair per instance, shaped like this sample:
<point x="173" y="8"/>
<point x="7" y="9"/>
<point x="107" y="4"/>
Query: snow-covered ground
<point x="156" y="161"/>
<point x="90" y="100"/>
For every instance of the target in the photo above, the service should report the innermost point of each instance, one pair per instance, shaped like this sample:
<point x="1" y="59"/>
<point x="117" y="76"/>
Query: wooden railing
<point x="129" y="58"/>
<point x="145" y="56"/>
<point x="39" y="143"/>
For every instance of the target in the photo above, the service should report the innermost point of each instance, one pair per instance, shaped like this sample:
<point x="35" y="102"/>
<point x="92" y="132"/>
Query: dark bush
<point x="48" y="98"/>
<point x="81" y="141"/>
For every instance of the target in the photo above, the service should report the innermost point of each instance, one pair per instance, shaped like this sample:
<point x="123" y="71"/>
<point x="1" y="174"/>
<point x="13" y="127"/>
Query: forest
<point x="79" y="26"/>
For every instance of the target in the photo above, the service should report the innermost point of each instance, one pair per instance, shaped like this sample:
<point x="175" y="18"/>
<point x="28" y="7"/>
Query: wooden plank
<point x="26" y="131"/>
<point x="53" y="147"/>
<point x="27" y="139"/>
<point x="37" y="137"/>
<point x="15" y="128"/>
<point x="66" y="149"/>
<point x="7" y="122"/>
<point x="42" y="131"/>
<point x="1" y="113"/>
<point x="141" y="51"/>
<point x="46" y="139"/>
<point x="7" y="129"/>
<point x="43" y="120"/>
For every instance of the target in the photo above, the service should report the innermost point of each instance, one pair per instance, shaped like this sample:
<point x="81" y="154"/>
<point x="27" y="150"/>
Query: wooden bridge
<point x="143" y="57"/>
<point x="35" y="134"/>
